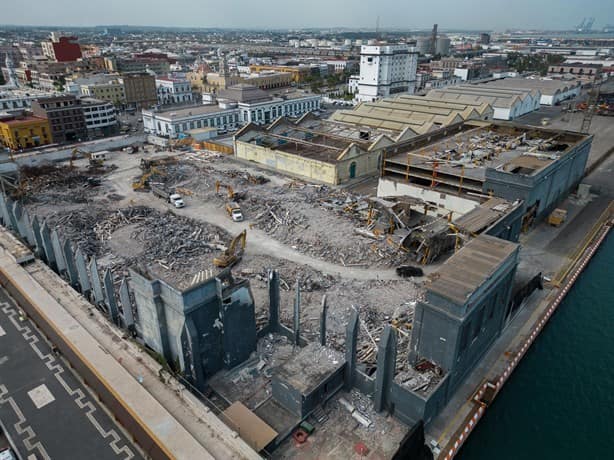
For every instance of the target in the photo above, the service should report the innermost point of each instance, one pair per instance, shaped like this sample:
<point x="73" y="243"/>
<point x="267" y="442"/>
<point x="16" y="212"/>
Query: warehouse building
<point x="507" y="103"/>
<point x="314" y="149"/>
<point x="417" y="114"/>
<point x="552" y="92"/>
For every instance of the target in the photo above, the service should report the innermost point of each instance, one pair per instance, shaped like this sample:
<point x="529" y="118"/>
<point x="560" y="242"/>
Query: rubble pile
<point x="420" y="378"/>
<point x="51" y="183"/>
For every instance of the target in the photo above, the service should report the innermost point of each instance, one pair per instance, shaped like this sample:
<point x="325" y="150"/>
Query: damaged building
<point x="314" y="149"/>
<point x="206" y="327"/>
<point x="481" y="177"/>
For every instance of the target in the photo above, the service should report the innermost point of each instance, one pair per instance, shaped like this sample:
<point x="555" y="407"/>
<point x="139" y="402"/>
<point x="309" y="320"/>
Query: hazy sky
<point x="475" y="14"/>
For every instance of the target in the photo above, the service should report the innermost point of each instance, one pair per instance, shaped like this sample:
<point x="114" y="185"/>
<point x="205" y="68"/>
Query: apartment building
<point x="65" y="115"/>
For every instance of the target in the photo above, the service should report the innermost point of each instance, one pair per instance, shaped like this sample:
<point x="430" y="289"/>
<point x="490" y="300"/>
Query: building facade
<point x="173" y="90"/>
<point x="24" y="132"/>
<point x="111" y="91"/>
<point x="100" y="117"/>
<point x="20" y="99"/>
<point x="61" y="49"/>
<point x="139" y="90"/>
<point x="237" y="106"/>
<point x="386" y="70"/>
<point x="65" y="115"/>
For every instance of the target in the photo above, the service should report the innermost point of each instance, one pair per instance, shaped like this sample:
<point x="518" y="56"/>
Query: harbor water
<point x="559" y="402"/>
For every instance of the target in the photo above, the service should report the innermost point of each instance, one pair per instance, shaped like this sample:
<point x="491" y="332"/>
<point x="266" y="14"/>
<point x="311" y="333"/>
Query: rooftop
<point x="23" y="120"/>
<point x="495" y="96"/>
<point x="186" y="112"/>
<point x="483" y="216"/>
<point x="243" y="92"/>
<point x="462" y="155"/>
<point x="463" y="273"/>
<point x="544" y="86"/>
<point x="310" y="137"/>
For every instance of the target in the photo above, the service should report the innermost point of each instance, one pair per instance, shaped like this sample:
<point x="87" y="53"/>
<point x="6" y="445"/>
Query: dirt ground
<point x="123" y="227"/>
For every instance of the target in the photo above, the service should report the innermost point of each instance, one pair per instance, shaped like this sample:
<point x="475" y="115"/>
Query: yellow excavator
<point x="229" y="189"/>
<point x="232" y="255"/>
<point x="144" y="180"/>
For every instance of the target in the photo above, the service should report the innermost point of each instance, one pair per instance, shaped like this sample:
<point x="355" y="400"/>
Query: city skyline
<point x="546" y="15"/>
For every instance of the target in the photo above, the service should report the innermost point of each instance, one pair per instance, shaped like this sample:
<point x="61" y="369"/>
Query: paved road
<point x="44" y="409"/>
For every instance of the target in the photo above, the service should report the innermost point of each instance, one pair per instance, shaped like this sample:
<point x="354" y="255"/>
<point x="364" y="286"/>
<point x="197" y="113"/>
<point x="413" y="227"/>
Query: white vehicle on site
<point x="173" y="198"/>
<point x="176" y="200"/>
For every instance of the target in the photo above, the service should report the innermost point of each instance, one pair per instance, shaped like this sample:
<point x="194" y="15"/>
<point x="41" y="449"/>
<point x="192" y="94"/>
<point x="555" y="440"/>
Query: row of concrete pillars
<point x="73" y="265"/>
<point x="387" y="346"/>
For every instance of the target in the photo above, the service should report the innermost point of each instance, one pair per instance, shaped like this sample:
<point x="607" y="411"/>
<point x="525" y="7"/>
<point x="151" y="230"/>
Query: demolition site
<point x="311" y="319"/>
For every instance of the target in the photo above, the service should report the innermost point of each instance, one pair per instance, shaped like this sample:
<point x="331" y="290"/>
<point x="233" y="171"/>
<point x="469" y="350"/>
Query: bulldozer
<point x="232" y="255"/>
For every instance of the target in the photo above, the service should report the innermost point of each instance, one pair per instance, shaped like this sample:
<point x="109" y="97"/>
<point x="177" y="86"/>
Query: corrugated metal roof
<point x="462" y="274"/>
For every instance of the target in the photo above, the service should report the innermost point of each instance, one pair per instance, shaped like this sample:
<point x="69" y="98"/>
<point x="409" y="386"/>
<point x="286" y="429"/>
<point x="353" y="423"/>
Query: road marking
<point x="80" y="398"/>
<point x="41" y="396"/>
<point x="3" y="359"/>
<point x="2" y="332"/>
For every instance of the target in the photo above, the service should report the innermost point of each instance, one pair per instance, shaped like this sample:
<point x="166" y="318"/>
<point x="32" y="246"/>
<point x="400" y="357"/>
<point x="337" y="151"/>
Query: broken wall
<point x="445" y="202"/>
<point x="547" y="187"/>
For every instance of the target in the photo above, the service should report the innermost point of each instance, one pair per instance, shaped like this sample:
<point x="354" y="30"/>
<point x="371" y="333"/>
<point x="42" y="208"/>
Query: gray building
<point x="466" y="307"/>
<point x="199" y="330"/>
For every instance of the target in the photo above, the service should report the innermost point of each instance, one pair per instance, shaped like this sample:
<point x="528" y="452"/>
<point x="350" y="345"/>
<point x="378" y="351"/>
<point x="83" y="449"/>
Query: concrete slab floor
<point x="338" y="436"/>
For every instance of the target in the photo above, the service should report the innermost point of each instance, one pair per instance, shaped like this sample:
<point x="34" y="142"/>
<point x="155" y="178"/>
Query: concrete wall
<point x="300" y="404"/>
<point x="445" y="201"/>
<point x="509" y="226"/>
<point x="202" y="329"/>
<point x="548" y="186"/>
<point x="410" y="407"/>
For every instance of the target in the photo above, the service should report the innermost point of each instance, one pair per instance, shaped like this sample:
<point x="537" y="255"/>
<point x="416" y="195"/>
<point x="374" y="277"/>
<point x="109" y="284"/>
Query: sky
<point x="406" y="14"/>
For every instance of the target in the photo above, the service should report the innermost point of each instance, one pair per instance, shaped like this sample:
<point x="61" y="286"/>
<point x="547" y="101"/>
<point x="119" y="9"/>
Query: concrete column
<point x="45" y="234"/>
<point x="273" y="300"/>
<point x="351" y="338"/>
<point x="297" y="313"/>
<point x="11" y="212"/>
<point x="58" y="253"/>
<point x="84" y="279"/>
<point x="4" y="212"/>
<point x="96" y="284"/>
<point x="386" y="366"/>
<point x="323" y="321"/>
<point x="124" y="298"/>
<point x="27" y="226"/>
<point x="71" y="268"/>
<point x="36" y="231"/>
<point x="110" y="295"/>
<point x="18" y="213"/>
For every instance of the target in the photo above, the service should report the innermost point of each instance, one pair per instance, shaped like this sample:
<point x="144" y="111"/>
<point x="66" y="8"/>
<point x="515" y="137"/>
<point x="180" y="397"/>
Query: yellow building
<point x="112" y="91"/>
<point x="298" y="73"/>
<point x="24" y="132"/>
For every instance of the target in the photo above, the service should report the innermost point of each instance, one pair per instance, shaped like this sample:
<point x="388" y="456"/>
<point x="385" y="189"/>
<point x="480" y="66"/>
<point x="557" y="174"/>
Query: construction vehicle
<point x="143" y="182"/>
<point x="232" y="255"/>
<point x="230" y="191"/>
<point x="557" y="217"/>
<point x="173" y="198"/>
<point x="96" y="158"/>
<point x="234" y="211"/>
<point x="181" y="143"/>
<point x="147" y="164"/>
